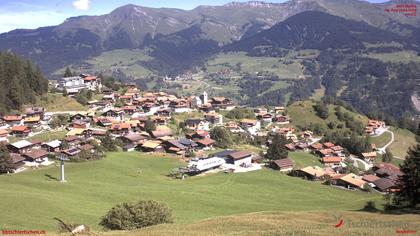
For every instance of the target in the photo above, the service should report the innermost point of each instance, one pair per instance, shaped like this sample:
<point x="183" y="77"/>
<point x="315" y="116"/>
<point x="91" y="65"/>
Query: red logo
<point x="340" y="221"/>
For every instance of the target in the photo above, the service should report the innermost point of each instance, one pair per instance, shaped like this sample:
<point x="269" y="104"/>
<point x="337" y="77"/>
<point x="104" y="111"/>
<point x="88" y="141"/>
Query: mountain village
<point x="140" y="123"/>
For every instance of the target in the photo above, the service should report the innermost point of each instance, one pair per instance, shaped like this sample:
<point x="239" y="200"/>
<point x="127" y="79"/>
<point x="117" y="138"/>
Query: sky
<point x="31" y="14"/>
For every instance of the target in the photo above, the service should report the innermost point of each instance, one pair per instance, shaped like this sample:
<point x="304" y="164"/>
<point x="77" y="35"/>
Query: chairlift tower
<point x="62" y="158"/>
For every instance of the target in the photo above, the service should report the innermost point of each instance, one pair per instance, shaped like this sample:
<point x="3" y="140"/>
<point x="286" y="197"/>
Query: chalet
<point x="76" y="132"/>
<point x="36" y="156"/>
<point x="385" y="185"/>
<point x="161" y="133"/>
<point x="267" y="117"/>
<point x="350" y="181"/>
<point x="325" y="152"/>
<point x="316" y="147"/>
<point x="329" y="145"/>
<point x="132" y="139"/>
<point x="197" y="124"/>
<point x="127" y="99"/>
<point x="71" y="152"/>
<point x="205" y="143"/>
<point x="385" y="170"/>
<point x="373" y="126"/>
<point x="52" y="146"/>
<point x="180" y="106"/>
<point x="283" y="164"/>
<point x="312" y="172"/>
<point x="281" y="119"/>
<point x="72" y="140"/>
<point x="214" y="118"/>
<point x="199" y="134"/>
<point x="120" y="128"/>
<point x="369" y="156"/>
<point x="239" y="158"/>
<point x="18" y="162"/>
<point x="278" y="110"/>
<point x="108" y="97"/>
<point x="164" y="112"/>
<point x="32" y="121"/>
<point x="302" y="146"/>
<point x="188" y="143"/>
<point x="13" y="120"/>
<point x="3" y="135"/>
<point x="114" y="113"/>
<point x="221" y="102"/>
<point x="21" y="131"/>
<point x="252" y="126"/>
<point x="34" y="111"/>
<point x="174" y="146"/>
<point x="331" y="161"/>
<point x="104" y="122"/>
<point x="338" y="150"/>
<point x="370" y="178"/>
<point x="152" y="146"/>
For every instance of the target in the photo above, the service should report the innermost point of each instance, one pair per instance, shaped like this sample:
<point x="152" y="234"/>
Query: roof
<point x="36" y="153"/>
<point x="239" y="155"/>
<point x="224" y="153"/>
<point x="285" y="162"/>
<point x="32" y="119"/>
<point x="370" y="178"/>
<point x="314" y="171"/>
<point x="20" y="128"/>
<point x="53" y="144"/>
<point x="206" y="141"/>
<point x="369" y="154"/>
<point x="12" y="118"/>
<point x="161" y="133"/>
<point x="248" y="121"/>
<point x="187" y="142"/>
<point x="134" y="137"/>
<point x="3" y="132"/>
<point x="90" y="78"/>
<point x="329" y="144"/>
<point x="331" y="159"/>
<point x="71" y="151"/>
<point x="316" y="146"/>
<point x="16" y="158"/>
<point x="71" y="138"/>
<point x="151" y="144"/>
<point x="384" y="183"/>
<point x="353" y="180"/>
<point x="75" y="132"/>
<point x="22" y="144"/>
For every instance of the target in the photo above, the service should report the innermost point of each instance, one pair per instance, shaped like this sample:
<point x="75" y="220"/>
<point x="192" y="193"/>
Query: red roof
<point x="329" y="145"/>
<point x="20" y="128"/>
<point x="331" y="159"/>
<point x="206" y="141"/>
<point x="90" y="78"/>
<point x="12" y="118"/>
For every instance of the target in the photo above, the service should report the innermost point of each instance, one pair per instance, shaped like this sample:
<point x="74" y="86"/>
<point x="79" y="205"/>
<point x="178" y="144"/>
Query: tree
<point x="277" y="149"/>
<point x="222" y="136"/>
<point x="387" y="156"/>
<point x="149" y="126"/>
<point x="129" y="216"/>
<point x="68" y="73"/>
<point x="6" y="162"/>
<point x="418" y="133"/>
<point x="409" y="183"/>
<point x="108" y="143"/>
<point x="321" y="110"/>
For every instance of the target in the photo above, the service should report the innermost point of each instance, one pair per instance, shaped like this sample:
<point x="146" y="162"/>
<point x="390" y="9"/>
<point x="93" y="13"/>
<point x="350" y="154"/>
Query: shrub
<point x="129" y="216"/>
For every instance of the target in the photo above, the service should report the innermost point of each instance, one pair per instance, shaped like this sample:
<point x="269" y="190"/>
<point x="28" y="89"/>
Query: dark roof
<point x="285" y="162"/>
<point x="71" y="151"/>
<point x="193" y="121"/>
<point x="16" y="158"/>
<point x="224" y="153"/>
<point x="370" y="178"/>
<point x="206" y="141"/>
<point x="239" y="155"/>
<point x="176" y="144"/>
<point x="134" y="137"/>
<point x="187" y="142"/>
<point x="384" y="184"/>
<point x="35" y="154"/>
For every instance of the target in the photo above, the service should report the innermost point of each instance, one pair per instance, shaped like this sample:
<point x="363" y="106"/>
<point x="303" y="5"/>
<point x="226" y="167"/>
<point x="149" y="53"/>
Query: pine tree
<point x="409" y="183"/>
<point x="222" y="136"/>
<point x="277" y="149"/>
<point x="6" y="162"/>
<point x="68" y="73"/>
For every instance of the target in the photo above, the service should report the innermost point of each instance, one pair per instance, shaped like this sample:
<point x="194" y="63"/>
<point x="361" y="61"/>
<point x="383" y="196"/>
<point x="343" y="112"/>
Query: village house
<point x="116" y="114"/>
<point x="36" y="157"/>
<point x="239" y="158"/>
<point x="222" y="102"/>
<point x="152" y="146"/>
<point x="281" y="119"/>
<point x="284" y="165"/>
<point x="71" y="152"/>
<point x="385" y="185"/>
<point x="349" y="181"/>
<point x="312" y="173"/>
<point x="278" y="110"/>
<point x="197" y="124"/>
<point x="52" y="146"/>
<point x="369" y="156"/>
<point x="32" y="121"/>
<point x="35" y="111"/>
<point x="206" y="143"/>
<point x="191" y="145"/>
<point x="214" y="118"/>
<point x="252" y="126"/>
<point x="75" y="84"/>
<point x="13" y="120"/>
<point x="332" y="161"/>
<point x="131" y="141"/>
<point x="174" y="146"/>
<point x="20" y="131"/>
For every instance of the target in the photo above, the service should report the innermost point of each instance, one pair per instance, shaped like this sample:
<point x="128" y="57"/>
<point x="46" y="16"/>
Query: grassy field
<point x="287" y="223"/>
<point x="404" y="139"/>
<point x="381" y="140"/>
<point x="43" y="137"/>
<point x="33" y="198"/>
<point x="396" y="57"/>
<point x="303" y="113"/>
<point x="303" y="159"/>
<point x="57" y="102"/>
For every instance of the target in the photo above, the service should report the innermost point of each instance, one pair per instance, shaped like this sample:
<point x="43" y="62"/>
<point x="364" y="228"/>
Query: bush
<point x="129" y="216"/>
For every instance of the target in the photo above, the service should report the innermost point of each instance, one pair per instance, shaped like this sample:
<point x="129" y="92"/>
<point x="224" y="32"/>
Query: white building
<point x="76" y="83"/>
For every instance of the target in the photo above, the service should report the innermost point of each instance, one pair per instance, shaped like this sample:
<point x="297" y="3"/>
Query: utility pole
<point x="62" y="158"/>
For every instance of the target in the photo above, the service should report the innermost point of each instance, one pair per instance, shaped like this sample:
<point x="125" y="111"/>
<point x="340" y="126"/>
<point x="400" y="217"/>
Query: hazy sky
<point x="30" y="14"/>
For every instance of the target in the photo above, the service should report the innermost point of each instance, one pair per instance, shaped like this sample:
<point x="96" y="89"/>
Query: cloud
<point x="82" y="5"/>
<point x="29" y="19"/>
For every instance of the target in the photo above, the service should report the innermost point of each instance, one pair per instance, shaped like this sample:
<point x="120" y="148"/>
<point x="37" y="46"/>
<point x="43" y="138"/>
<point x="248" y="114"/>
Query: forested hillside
<point x="20" y="82"/>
